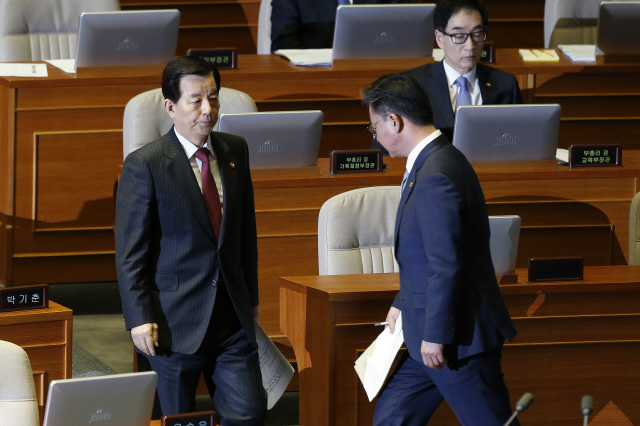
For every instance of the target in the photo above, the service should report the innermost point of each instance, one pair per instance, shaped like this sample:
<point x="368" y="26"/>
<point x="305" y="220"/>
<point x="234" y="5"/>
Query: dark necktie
<point x="210" y="191"/>
<point x="404" y="180"/>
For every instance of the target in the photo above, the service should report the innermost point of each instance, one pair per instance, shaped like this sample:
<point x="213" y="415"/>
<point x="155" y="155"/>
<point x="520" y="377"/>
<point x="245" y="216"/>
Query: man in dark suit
<point x="307" y="24"/>
<point x="453" y="316"/>
<point x="460" y="31"/>
<point x="186" y="253"/>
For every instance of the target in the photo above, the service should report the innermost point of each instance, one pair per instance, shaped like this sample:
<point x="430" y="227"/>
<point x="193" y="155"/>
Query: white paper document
<point x="579" y="52"/>
<point x="23" y="70"/>
<point x="374" y="364"/>
<point x="276" y="370"/>
<point x="66" y="65"/>
<point x="562" y="155"/>
<point x="307" y="57"/>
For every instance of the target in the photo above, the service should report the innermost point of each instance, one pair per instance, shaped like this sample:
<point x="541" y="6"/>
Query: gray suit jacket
<point x="168" y="261"/>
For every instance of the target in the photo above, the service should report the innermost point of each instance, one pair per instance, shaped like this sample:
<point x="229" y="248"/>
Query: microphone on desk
<point x="587" y="407"/>
<point x="521" y="405"/>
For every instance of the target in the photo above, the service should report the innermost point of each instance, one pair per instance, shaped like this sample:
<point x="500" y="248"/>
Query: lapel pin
<point x="488" y="84"/>
<point x="233" y="165"/>
<point x="410" y="184"/>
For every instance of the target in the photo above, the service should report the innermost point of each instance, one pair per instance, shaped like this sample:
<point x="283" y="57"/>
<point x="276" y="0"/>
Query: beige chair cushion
<point x="18" y="404"/>
<point x="145" y="118"/>
<point x="570" y="22"/>
<point x="355" y="232"/>
<point x="34" y="30"/>
<point x="634" y="231"/>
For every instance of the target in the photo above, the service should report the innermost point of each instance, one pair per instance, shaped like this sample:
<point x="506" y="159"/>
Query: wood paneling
<point x="558" y="354"/>
<point x="45" y="335"/>
<point x="66" y="199"/>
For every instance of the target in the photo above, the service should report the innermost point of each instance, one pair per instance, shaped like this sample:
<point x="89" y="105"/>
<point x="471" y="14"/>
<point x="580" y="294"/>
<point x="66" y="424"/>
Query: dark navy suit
<point x="172" y="270"/>
<point x="448" y="295"/>
<point x="496" y="88"/>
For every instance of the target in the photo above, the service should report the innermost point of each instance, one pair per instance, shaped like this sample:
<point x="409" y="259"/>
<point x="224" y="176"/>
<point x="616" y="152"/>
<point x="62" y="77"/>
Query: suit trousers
<point x="474" y="389"/>
<point x="229" y="364"/>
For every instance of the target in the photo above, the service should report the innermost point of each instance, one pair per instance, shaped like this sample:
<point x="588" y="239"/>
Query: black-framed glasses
<point x="461" y="38"/>
<point x="372" y="127"/>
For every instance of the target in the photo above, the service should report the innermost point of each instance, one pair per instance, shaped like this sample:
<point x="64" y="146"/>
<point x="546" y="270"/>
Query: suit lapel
<point x="229" y="174"/>
<point x="488" y="88"/>
<point x="180" y="171"/>
<point x="408" y="188"/>
<point x="438" y="91"/>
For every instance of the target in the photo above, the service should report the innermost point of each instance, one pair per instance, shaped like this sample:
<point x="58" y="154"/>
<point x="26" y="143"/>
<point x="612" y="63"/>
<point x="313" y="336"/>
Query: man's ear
<point x="440" y="39"/>
<point x="170" y="107"/>
<point x="398" y="122"/>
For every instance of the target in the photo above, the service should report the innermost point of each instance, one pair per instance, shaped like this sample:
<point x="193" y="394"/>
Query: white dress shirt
<point x="473" y="85"/>
<point x="190" y="149"/>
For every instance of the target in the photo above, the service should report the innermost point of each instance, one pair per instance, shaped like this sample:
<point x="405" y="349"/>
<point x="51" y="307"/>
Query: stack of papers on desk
<point x="374" y="364"/>
<point x="579" y="52"/>
<point x="23" y="70"/>
<point x="539" y="55"/>
<point x="307" y="57"/>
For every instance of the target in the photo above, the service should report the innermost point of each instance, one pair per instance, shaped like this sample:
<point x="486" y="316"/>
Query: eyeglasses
<point x="461" y="38"/>
<point x="372" y="127"/>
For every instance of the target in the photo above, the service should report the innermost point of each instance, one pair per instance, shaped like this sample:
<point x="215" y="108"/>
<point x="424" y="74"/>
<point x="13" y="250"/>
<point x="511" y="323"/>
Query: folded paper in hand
<point x="374" y="364"/>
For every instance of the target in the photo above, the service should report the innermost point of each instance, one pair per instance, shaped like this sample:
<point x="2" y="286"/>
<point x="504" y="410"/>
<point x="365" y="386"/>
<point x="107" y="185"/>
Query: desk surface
<point x="565" y="331"/>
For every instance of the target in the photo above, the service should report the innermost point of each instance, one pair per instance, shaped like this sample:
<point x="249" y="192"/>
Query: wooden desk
<point x="574" y="338"/>
<point x="45" y="334"/>
<point x="56" y="210"/>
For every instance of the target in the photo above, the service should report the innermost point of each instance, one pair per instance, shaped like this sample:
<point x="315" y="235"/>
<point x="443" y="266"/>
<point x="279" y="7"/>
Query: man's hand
<point x="145" y="337"/>
<point x="433" y="355"/>
<point x="256" y="314"/>
<point x="392" y="316"/>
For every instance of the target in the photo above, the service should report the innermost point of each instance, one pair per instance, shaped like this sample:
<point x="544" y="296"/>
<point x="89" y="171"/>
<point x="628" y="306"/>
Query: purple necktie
<point x="210" y="191"/>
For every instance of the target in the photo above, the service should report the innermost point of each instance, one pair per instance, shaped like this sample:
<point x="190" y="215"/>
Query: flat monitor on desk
<point x="141" y="37"/>
<point x="384" y="31"/>
<point x="118" y="399"/>
<point x="507" y="132"/>
<point x="619" y="28"/>
<point x="277" y="139"/>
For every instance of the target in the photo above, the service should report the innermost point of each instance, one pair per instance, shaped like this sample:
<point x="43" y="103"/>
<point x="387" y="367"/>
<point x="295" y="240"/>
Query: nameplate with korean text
<point x="595" y="155"/>
<point x="360" y="161"/>
<point x="23" y="298"/>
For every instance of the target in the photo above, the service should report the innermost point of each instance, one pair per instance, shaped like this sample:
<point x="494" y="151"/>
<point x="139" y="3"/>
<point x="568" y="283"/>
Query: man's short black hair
<point x="399" y="94"/>
<point x="185" y="65"/>
<point x="445" y="9"/>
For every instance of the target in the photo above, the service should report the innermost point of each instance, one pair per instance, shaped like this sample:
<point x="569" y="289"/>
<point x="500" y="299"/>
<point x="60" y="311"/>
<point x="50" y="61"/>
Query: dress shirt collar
<point x="190" y="148"/>
<point x="452" y="75"/>
<point x="413" y="155"/>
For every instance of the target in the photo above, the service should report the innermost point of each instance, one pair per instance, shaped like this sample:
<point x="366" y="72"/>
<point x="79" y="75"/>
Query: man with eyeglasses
<point x="460" y="32"/>
<point x="454" y="318"/>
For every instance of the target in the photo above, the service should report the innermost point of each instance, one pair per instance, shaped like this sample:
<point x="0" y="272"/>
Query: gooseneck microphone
<point x="587" y="407"/>
<point x="521" y="405"/>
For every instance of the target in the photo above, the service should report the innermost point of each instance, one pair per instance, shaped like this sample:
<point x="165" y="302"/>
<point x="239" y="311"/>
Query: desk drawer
<point x="35" y="334"/>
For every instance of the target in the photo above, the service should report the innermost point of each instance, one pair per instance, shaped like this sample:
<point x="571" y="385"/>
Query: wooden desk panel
<point x="46" y="336"/>
<point x="565" y="330"/>
<point x="56" y="211"/>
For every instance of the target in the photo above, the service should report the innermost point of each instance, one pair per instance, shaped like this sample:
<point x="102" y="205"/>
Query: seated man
<point x="307" y="24"/>
<point x="460" y="33"/>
